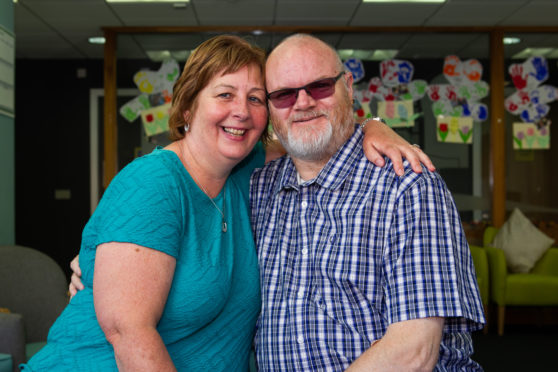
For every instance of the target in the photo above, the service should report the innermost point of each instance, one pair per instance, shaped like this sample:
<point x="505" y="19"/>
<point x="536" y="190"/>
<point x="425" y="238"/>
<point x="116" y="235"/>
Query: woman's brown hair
<point x="221" y="54"/>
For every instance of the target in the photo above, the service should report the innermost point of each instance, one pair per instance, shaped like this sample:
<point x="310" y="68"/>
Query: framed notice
<point x="7" y="58"/>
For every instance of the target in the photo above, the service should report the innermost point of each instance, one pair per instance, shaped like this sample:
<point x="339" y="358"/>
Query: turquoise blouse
<point x="208" y="320"/>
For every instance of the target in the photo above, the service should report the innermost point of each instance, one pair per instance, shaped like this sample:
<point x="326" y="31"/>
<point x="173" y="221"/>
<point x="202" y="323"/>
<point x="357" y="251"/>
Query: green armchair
<point x="480" y="260"/>
<point x="539" y="287"/>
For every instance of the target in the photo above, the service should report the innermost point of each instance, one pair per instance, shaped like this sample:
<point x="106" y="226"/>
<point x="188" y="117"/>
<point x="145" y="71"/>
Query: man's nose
<point x="304" y="99"/>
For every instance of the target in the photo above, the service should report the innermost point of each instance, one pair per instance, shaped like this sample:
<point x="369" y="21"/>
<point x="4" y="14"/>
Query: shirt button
<point x="300" y="340"/>
<point x="304" y="204"/>
<point x="305" y="251"/>
<point x="332" y="238"/>
<point x="300" y="293"/>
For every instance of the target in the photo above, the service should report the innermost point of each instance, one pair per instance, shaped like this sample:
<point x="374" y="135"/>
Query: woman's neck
<point x="207" y="174"/>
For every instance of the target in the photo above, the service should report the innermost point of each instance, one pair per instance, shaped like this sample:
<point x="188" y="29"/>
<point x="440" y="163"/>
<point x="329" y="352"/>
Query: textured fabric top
<point x="214" y="300"/>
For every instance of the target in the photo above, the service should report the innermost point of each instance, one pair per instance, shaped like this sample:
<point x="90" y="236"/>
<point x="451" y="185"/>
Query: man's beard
<point x="312" y="144"/>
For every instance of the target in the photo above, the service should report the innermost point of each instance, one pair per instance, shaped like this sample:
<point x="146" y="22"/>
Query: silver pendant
<point x="224" y="228"/>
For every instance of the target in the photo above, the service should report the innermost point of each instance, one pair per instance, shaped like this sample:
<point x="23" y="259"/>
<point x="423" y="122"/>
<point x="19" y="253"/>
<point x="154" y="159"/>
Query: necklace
<point x="222" y="212"/>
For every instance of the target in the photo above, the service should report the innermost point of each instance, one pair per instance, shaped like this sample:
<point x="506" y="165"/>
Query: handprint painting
<point x="531" y="102"/>
<point x="456" y="105"/>
<point x="394" y="92"/>
<point x="153" y="104"/>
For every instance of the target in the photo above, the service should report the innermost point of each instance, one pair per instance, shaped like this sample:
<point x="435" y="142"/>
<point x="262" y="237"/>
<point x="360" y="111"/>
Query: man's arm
<point x="130" y="288"/>
<point x="411" y="345"/>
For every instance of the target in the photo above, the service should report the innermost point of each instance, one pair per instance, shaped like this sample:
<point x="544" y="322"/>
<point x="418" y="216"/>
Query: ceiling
<point x="59" y="29"/>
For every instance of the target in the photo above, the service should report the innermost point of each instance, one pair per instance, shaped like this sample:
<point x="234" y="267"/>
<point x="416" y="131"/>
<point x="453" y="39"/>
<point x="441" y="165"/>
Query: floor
<point x="523" y="347"/>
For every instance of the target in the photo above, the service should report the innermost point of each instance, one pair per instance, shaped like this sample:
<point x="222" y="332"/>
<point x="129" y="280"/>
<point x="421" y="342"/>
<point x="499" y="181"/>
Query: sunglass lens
<point x="283" y="98"/>
<point x="322" y="88"/>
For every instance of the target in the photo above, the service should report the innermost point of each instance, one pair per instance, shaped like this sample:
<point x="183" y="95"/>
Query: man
<point x="360" y="269"/>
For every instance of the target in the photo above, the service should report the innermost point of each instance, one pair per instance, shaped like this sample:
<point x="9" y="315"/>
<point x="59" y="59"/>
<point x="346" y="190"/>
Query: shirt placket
<point x="301" y="284"/>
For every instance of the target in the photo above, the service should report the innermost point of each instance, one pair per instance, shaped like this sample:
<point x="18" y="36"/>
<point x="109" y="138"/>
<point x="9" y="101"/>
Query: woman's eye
<point x="224" y="95"/>
<point x="256" y="99"/>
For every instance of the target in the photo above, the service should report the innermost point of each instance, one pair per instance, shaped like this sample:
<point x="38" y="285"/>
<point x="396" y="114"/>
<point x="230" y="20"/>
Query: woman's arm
<point x="130" y="288"/>
<point x="380" y="139"/>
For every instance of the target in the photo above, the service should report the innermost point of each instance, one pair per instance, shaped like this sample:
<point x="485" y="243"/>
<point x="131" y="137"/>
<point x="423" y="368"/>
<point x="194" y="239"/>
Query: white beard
<point x="308" y="143"/>
<point x="313" y="144"/>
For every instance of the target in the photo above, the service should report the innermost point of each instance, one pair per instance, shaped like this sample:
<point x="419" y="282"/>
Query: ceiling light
<point x="147" y="1"/>
<point x="511" y="40"/>
<point x="403" y="1"/>
<point x="531" y="52"/>
<point x="97" y="40"/>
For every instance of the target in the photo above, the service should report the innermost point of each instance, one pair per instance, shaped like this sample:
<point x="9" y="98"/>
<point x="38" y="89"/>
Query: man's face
<point x="312" y="128"/>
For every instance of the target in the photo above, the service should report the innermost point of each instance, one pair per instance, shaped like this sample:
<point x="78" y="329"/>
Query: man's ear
<point x="349" y="83"/>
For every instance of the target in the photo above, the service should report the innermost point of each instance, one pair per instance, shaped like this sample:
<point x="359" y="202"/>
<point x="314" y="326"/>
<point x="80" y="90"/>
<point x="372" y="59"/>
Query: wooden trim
<point x="497" y="129"/>
<point x="334" y="29"/>
<point x="109" y="123"/>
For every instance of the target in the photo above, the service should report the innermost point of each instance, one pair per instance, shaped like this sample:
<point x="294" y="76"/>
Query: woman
<point x="175" y="276"/>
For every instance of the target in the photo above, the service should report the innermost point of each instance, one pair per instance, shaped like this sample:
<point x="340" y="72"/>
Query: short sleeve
<point x="142" y="205"/>
<point x="430" y="267"/>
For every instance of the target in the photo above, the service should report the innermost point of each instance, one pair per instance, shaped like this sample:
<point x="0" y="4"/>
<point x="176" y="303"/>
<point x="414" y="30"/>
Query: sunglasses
<point x="318" y="89"/>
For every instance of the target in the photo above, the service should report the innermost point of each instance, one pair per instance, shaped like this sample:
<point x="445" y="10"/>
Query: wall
<point x="52" y="142"/>
<point x="7" y="211"/>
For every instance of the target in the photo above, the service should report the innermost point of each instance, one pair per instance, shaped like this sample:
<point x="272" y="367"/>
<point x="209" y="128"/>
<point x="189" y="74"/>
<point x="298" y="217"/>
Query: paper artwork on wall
<point x="527" y="136"/>
<point x="461" y="97"/>
<point x="156" y="120"/>
<point x="397" y="113"/>
<point x="452" y="129"/>
<point x="156" y="95"/>
<point x="530" y="100"/>
<point x="356" y="67"/>
<point x="396" y="86"/>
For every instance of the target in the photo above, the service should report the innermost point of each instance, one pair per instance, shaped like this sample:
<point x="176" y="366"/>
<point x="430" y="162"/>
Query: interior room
<point x="474" y="85"/>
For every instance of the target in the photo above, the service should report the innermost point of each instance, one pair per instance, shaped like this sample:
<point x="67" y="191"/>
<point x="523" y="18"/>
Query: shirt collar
<point x="334" y="172"/>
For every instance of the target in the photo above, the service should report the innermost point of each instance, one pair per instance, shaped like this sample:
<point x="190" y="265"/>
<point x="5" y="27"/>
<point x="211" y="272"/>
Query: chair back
<point x="489" y="234"/>
<point x="32" y="284"/>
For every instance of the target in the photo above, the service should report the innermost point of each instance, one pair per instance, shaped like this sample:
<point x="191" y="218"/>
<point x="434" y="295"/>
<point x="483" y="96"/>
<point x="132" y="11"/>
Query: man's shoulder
<point x="270" y="173"/>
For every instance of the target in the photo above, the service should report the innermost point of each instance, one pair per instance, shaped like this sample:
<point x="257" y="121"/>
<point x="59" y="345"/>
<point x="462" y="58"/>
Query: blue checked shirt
<point x="347" y="254"/>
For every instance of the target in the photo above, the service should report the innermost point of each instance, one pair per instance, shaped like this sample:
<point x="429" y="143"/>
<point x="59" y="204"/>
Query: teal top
<point x="214" y="300"/>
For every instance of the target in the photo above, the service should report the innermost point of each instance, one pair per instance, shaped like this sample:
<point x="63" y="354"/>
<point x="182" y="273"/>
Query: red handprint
<point x="434" y="92"/>
<point x="516" y="72"/>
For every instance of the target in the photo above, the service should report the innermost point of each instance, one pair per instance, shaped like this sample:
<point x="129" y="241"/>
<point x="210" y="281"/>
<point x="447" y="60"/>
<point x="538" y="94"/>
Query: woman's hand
<point x="380" y="139"/>
<point x="75" y="283"/>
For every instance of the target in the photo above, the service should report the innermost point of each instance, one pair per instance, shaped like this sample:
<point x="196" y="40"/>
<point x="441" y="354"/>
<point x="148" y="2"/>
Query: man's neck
<point x="309" y="169"/>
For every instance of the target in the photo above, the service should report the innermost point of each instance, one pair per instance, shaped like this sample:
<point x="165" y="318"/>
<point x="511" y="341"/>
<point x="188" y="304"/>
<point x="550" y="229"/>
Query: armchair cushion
<point x="12" y="337"/>
<point x="523" y="244"/>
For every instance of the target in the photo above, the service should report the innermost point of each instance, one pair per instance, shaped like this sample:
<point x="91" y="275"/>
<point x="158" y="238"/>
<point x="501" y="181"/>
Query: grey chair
<point x="33" y="288"/>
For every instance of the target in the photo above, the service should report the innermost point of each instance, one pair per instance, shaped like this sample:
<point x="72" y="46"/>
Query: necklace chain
<point x="222" y="212"/>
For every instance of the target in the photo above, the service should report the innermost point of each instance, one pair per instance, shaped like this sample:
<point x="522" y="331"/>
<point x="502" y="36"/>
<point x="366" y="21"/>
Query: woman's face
<point x="230" y="115"/>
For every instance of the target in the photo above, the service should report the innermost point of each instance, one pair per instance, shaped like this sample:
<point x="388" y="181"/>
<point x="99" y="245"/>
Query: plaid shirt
<point x="347" y="254"/>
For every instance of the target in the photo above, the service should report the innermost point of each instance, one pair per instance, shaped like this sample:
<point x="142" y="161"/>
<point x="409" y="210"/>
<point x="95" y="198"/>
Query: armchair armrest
<point x="498" y="273"/>
<point x="548" y="264"/>
<point x="12" y="337"/>
<point x="481" y="267"/>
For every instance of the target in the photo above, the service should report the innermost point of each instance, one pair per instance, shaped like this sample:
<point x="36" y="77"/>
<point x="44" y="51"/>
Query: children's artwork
<point x="460" y="98"/>
<point x="530" y="100"/>
<point x="395" y="92"/>
<point x="453" y="129"/>
<point x="356" y="67"/>
<point x="155" y="120"/>
<point x="361" y="108"/>
<point x="527" y="136"/>
<point x="531" y="103"/>
<point x="156" y="91"/>
<point x="397" y="113"/>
